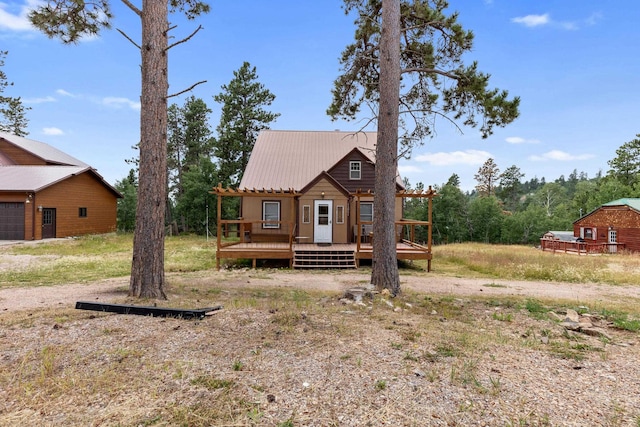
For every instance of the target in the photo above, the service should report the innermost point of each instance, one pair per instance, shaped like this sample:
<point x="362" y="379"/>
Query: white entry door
<point x="613" y="239"/>
<point x="323" y="228"/>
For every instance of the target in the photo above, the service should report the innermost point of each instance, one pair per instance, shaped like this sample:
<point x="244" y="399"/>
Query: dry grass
<point x="278" y="357"/>
<point x="286" y="356"/>
<point x="527" y="263"/>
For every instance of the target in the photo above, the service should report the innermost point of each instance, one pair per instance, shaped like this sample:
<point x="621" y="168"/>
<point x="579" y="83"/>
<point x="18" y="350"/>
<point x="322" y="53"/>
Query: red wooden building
<point x="610" y="228"/>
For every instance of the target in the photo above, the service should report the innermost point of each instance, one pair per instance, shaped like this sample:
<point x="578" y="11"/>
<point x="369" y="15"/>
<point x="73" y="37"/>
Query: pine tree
<point x="243" y="116"/>
<point x="625" y="167"/>
<point x="12" y="113"/>
<point x="416" y="42"/>
<point x="487" y="178"/>
<point x="70" y="21"/>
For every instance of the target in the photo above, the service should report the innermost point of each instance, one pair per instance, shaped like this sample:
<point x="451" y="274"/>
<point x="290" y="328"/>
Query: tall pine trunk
<point x="384" y="274"/>
<point x="147" y="270"/>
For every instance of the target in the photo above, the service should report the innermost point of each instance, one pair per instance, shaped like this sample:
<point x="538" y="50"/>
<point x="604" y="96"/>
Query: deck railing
<point x="243" y="231"/>
<point x="580" y="247"/>
<point x="405" y="233"/>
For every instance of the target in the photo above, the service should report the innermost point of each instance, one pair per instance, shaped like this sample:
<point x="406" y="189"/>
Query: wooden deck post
<point x="219" y="229"/>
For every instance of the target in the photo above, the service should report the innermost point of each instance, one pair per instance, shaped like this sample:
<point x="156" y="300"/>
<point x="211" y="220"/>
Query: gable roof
<point x="37" y="178"/>
<point x="292" y="159"/>
<point x="33" y="178"/>
<point x="330" y="180"/>
<point x="44" y="151"/>
<point x="633" y="204"/>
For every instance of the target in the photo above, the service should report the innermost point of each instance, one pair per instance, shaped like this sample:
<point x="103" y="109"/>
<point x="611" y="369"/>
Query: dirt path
<point x="114" y="290"/>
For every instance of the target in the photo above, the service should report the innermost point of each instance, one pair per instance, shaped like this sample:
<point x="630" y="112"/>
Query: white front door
<point x="323" y="228"/>
<point x="613" y="239"/>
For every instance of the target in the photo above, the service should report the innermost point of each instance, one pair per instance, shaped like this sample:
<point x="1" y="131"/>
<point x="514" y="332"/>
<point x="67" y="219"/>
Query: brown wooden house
<point x="312" y="192"/>
<point x="45" y="193"/>
<point x="608" y="229"/>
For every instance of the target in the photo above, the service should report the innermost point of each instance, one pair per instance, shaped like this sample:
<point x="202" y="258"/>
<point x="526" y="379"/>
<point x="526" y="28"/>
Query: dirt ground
<point x="14" y="299"/>
<point x="330" y="364"/>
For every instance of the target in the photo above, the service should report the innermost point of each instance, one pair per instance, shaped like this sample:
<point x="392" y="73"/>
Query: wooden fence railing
<point x="580" y="247"/>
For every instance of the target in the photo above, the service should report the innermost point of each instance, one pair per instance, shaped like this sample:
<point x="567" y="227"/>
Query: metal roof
<point x="44" y="151"/>
<point x="35" y="178"/>
<point x="565" y="236"/>
<point x="292" y="159"/>
<point x="631" y="202"/>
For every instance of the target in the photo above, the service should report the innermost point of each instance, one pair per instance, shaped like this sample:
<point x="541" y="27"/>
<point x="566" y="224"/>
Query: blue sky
<point x="574" y="63"/>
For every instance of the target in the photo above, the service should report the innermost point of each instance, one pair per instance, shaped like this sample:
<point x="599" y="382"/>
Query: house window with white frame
<point x="588" y="233"/>
<point x="355" y="170"/>
<point x="271" y="214"/>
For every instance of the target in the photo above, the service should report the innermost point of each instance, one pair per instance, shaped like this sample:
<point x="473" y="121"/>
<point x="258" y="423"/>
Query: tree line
<point x="505" y="209"/>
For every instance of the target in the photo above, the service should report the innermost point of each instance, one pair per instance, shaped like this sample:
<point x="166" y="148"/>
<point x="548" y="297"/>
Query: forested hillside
<point x="505" y="209"/>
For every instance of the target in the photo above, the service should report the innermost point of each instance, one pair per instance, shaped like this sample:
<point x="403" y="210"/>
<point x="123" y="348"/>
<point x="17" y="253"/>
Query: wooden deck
<point x="406" y="250"/>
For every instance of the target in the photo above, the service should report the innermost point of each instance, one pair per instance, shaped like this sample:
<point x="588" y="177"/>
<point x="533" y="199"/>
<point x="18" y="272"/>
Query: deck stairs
<point x="324" y="258"/>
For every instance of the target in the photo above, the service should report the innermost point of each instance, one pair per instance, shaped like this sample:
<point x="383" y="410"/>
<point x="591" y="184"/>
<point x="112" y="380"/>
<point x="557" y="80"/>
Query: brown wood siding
<point x="340" y="172"/>
<point x="252" y="211"/>
<point x="340" y="231"/>
<point x="353" y="218"/>
<point x="625" y="222"/>
<point x="18" y="155"/>
<point x="68" y="196"/>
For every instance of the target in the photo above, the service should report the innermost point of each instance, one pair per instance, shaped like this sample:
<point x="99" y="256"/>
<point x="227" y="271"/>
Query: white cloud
<point x="14" y="17"/>
<point x="65" y="93"/>
<point x="39" y="100"/>
<point x="406" y="169"/>
<point x="532" y="20"/>
<point x="467" y="157"/>
<point x="561" y="156"/>
<point x="119" y="102"/>
<point x="52" y="131"/>
<point x="520" y="140"/>
<point x="541" y="20"/>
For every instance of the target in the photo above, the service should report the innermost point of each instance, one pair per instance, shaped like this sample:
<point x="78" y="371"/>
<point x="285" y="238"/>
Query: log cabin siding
<point x="622" y="219"/>
<point x="18" y="155"/>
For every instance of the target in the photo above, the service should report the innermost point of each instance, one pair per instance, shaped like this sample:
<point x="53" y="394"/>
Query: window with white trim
<point x="355" y="170"/>
<point x="271" y="214"/>
<point x="588" y="233"/>
<point x="366" y="211"/>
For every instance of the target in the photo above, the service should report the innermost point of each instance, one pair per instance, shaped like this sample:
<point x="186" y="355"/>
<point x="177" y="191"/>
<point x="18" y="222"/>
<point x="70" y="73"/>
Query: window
<point x="47" y="217"/>
<point x="340" y="214"/>
<point x="588" y="233"/>
<point x="306" y="214"/>
<point x="271" y="214"/>
<point x="366" y="211"/>
<point x="355" y="170"/>
<point x="82" y="212"/>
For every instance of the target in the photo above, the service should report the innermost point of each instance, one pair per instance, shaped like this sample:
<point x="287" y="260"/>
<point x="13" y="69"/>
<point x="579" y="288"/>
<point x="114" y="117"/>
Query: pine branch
<point x="185" y="39"/>
<point x="128" y="38"/>
<point x="186" y="90"/>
